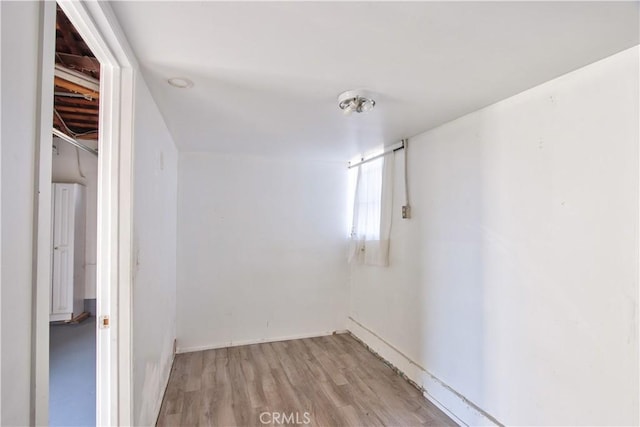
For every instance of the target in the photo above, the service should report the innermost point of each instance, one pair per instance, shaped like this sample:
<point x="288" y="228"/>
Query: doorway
<point x="95" y="25"/>
<point x="72" y="337"/>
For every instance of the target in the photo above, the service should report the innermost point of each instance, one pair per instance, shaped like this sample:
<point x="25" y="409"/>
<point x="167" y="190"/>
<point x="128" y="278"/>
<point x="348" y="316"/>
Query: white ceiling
<point x="267" y="75"/>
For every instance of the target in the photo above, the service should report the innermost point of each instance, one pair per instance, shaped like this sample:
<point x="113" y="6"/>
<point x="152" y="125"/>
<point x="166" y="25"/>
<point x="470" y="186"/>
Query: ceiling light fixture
<point x="359" y="101"/>
<point x="180" y="82"/>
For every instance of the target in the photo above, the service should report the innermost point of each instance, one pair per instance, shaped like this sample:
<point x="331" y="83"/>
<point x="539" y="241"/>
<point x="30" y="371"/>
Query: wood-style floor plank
<point x="329" y="381"/>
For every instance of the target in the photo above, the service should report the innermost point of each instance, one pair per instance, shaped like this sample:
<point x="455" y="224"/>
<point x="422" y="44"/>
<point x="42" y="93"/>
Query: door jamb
<point x="99" y="28"/>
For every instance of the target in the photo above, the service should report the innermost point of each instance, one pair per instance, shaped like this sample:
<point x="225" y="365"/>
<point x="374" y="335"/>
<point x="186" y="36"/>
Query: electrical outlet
<point x="406" y="212"/>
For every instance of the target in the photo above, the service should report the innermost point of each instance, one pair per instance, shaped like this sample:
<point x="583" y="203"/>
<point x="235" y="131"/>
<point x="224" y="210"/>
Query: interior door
<point x="62" y="274"/>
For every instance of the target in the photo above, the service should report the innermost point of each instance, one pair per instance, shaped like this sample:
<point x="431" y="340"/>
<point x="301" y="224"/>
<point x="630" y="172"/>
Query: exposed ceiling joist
<point x="80" y="63"/>
<point x="91" y="118"/>
<point x="76" y="110"/>
<point x="81" y="125"/>
<point x="76" y="82"/>
<point x="88" y="136"/>
<point x="66" y="32"/>
<point x="57" y="121"/>
<point x="75" y="88"/>
<point x="75" y="101"/>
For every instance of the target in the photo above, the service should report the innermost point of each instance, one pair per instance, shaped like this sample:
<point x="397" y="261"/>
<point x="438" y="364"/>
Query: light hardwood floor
<point x="324" y="381"/>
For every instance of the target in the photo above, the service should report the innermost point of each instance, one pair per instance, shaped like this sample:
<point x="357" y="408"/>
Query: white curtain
<point x="372" y="211"/>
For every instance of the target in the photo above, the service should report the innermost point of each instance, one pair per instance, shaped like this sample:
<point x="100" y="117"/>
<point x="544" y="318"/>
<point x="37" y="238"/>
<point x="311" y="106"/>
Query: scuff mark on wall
<point x="156" y="377"/>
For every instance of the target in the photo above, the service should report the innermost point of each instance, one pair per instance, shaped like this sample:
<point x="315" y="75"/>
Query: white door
<point x="63" y="212"/>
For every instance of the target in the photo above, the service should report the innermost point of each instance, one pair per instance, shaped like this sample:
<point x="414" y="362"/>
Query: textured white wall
<point x="154" y="263"/>
<point x="261" y="249"/>
<point x="516" y="280"/>
<point x="19" y="81"/>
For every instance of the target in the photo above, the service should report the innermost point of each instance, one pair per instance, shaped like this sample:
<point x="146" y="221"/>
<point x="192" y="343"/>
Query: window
<point x="367" y="198"/>
<point x="371" y="216"/>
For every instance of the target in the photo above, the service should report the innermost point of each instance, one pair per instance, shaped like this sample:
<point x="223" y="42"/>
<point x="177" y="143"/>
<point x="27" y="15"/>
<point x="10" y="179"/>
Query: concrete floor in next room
<point x="72" y="374"/>
<point x="324" y="381"/>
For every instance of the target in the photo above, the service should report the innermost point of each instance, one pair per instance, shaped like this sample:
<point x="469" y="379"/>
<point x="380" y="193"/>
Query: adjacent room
<point x="341" y="213"/>
<point x="74" y="178"/>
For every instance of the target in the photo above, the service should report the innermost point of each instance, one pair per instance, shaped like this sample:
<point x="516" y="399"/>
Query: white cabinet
<point x="68" y="263"/>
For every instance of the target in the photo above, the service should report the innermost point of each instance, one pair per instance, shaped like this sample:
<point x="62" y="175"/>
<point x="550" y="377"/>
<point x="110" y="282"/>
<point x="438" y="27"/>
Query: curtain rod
<point x="389" y="149"/>
<point x="72" y="141"/>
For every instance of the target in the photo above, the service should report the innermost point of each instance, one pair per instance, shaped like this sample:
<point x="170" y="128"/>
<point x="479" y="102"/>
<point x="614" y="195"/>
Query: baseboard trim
<point x="257" y="341"/>
<point x="450" y="401"/>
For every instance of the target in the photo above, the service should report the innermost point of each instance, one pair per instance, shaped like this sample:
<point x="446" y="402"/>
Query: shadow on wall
<point x="444" y="247"/>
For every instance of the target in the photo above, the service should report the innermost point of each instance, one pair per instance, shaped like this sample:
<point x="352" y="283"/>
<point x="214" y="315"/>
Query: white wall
<point x="154" y="275"/>
<point x="65" y="169"/>
<point x="261" y="249"/>
<point x="516" y="281"/>
<point x="20" y="42"/>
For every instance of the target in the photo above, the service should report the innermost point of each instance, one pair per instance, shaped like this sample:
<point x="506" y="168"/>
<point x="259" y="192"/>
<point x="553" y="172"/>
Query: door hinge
<point x="104" y="322"/>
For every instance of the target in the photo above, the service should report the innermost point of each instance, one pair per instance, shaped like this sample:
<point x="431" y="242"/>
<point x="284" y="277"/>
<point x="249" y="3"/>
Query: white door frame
<point x="98" y="27"/>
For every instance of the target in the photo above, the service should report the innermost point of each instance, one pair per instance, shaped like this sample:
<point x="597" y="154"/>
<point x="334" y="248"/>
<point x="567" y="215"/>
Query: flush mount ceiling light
<point x="358" y="101"/>
<point x="180" y="82"/>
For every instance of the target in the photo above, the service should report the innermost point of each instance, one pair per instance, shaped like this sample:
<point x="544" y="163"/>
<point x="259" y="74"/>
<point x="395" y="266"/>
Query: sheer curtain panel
<point x="372" y="211"/>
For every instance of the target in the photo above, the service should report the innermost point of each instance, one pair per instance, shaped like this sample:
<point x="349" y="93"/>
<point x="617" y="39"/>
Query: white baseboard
<point x="450" y="401"/>
<point x="256" y="341"/>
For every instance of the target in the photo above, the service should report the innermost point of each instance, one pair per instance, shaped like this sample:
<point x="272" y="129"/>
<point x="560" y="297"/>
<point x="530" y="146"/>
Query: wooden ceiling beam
<point x="76" y="105"/>
<point x="82" y="117"/>
<point x="71" y="102"/>
<point x="77" y="110"/>
<point x="61" y="46"/>
<point x="82" y="109"/>
<point x="79" y="118"/>
<point x="87" y="126"/>
<point x="74" y="76"/>
<point x="75" y="88"/>
<point x="66" y="32"/>
<point x="58" y="122"/>
<point x="90" y="136"/>
<point x="77" y="71"/>
<point x="75" y="122"/>
<point x="81" y="63"/>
